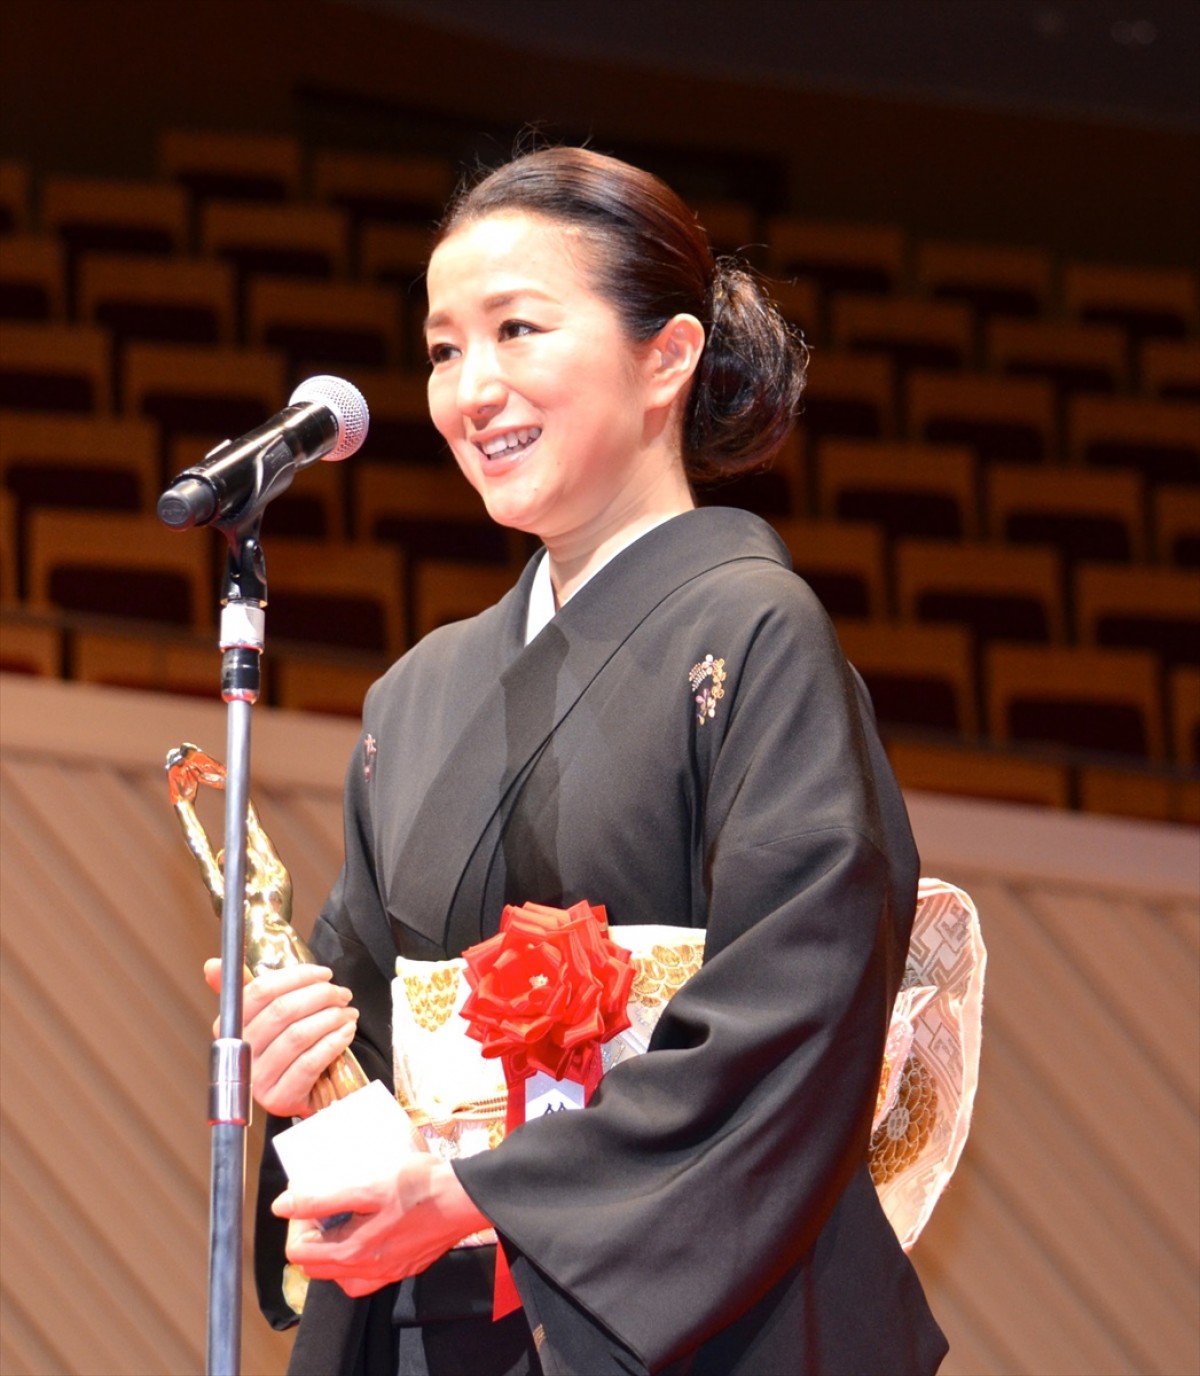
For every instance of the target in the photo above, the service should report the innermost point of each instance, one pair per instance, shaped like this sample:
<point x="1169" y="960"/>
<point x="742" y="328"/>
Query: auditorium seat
<point x="210" y="394"/>
<point x="799" y="303"/>
<point x="911" y="332"/>
<point x="999" y="593"/>
<point x="158" y="663"/>
<point x="389" y="188"/>
<point x="166" y="300"/>
<point x="907" y="489"/>
<point x="1170" y="369"/>
<point x="397" y="255"/>
<point x="843" y="563"/>
<point x="30" y="644"/>
<point x="919" y="677"/>
<point x="1001" y="418"/>
<point x="9" y="582"/>
<point x="333" y="593"/>
<point x="733" y="227"/>
<point x="447" y="590"/>
<point x="849" y="396"/>
<point x="1075" y="358"/>
<point x="221" y="165"/>
<point x="280" y="240"/>
<point x="14" y="197"/>
<point x="1076" y="697"/>
<point x="78" y="462"/>
<point x="432" y="514"/>
<point x="106" y="215"/>
<point x="50" y="367"/>
<point x="401" y="431"/>
<point x="777" y="491"/>
<point x="1160" y="439"/>
<point x="322" y="683"/>
<point x="1151" y="609"/>
<point x="1183" y="697"/>
<point x="120" y="565"/>
<point x="32" y="278"/>
<point x="1144" y="302"/>
<point x="264" y="240"/>
<point x="313" y="507"/>
<point x="324" y="327"/>
<point x="967" y="772"/>
<point x="1176" y="526"/>
<point x="394" y="253"/>
<point x="841" y="257"/>
<point x="1084" y="515"/>
<point x="1131" y="792"/>
<point x="994" y="280"/>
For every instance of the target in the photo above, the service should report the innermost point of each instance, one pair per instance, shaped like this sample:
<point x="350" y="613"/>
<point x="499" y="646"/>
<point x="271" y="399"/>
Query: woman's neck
<point x="577" y="557"/>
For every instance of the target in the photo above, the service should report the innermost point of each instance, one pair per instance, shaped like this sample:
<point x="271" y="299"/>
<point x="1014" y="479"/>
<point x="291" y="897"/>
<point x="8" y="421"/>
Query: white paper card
<point x="355" y="1140"/>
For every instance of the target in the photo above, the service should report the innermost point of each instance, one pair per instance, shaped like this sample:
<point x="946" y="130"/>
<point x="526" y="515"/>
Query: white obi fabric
<point x="457" y="1099"/>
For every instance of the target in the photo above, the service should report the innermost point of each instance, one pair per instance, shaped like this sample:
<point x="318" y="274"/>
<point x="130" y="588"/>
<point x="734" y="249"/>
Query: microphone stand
<point x="243" y="619"/>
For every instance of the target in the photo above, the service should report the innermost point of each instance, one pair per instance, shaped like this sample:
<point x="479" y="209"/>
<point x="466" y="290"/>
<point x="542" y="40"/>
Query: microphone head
<point x="346" y="402"/>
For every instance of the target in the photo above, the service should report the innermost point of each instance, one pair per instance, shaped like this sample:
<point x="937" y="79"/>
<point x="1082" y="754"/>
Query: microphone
<point x="326" y="418"/>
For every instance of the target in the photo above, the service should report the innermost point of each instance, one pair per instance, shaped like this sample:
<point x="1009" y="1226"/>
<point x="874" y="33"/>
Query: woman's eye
<point x="440" y="353"/>
<point x="514" y="329"/>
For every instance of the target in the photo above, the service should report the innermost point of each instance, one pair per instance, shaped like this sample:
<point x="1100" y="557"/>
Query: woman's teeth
<point x="515" y="439"/>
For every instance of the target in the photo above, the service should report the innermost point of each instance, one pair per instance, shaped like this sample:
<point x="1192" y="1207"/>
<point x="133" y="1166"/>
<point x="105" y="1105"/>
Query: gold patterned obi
<point x="457" y="1099"/>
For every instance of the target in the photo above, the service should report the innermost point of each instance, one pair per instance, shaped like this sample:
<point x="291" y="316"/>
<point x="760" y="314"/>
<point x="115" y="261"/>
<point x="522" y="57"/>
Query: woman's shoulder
<point x="753" y="577"/>
<point x="453" y="649"/>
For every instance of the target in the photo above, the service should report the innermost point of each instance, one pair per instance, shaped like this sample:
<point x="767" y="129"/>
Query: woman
<point x="657" y="718"/>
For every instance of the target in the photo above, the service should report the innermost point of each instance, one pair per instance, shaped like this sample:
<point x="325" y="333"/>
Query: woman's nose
<point x="481" y="390"/>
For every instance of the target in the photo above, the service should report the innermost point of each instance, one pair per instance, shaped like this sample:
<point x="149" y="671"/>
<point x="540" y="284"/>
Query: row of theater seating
<point x="961" y="610"/>
<point x="196" y="168"/>
<point x="247" y="285"/>
<point x="1056" y="727"/>
<point x="906" y="489"/>
<point x="210" y="391"/>
<point x="963" y="402"/>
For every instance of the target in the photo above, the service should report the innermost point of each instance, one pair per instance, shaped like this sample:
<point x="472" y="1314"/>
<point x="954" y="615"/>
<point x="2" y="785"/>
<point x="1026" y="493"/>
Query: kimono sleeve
<point x="706" y="1169"/>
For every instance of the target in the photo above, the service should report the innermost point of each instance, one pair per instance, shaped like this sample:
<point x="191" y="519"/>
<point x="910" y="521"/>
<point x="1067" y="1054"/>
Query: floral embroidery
<point x="707" y="680"/>
<point x="369" y="752"/>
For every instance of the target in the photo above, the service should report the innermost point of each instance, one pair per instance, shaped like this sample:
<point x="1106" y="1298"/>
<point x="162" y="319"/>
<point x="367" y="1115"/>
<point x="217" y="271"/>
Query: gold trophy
<point x="271" y="941"/>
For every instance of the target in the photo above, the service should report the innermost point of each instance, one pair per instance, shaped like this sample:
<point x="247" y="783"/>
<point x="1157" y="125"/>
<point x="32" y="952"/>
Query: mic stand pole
<point x="242" y="626"/>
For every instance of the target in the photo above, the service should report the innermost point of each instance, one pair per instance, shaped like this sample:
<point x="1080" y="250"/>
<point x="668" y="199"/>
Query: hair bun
<point x="746" y="393"/>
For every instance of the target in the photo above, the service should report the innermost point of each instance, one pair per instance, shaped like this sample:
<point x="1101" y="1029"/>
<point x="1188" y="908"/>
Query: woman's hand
<point x="297" y="1022"/>
<point x="401" y="1225"/>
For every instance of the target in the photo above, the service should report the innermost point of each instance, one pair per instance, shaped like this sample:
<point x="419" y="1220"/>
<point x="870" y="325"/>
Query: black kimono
<point x="685" y="744"/>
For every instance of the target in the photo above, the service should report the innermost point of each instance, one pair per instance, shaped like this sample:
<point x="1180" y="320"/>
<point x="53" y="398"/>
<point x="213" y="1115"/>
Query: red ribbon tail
<point x="505" y="1298"/>
<point x="592" y="1075"/>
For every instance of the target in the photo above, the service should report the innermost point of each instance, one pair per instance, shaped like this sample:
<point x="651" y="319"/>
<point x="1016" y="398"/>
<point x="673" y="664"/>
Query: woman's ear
<point x="673" y="356"/>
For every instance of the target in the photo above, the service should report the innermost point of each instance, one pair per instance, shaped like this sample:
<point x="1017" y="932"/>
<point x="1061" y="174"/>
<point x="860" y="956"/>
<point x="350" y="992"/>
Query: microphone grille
<point x="346" y="402"/>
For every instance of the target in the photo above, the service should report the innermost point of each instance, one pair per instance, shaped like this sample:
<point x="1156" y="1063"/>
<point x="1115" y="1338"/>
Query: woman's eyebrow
<point x="438" y="319"/>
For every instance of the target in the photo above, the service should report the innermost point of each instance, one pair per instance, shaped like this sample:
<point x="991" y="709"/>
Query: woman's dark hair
<point x="651" y="260"/>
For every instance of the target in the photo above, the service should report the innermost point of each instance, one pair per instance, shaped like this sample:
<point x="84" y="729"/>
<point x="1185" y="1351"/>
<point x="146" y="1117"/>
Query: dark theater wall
<point x="86" y="85"/>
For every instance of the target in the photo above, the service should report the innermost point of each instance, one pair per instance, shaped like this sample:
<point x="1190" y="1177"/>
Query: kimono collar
<point x="444" y="860"/>
<point x="542" y="605"/>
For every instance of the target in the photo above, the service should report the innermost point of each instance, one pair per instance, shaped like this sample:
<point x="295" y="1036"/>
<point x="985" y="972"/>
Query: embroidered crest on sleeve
<point x="707" y="681"/>
<point x="369" y="752"/>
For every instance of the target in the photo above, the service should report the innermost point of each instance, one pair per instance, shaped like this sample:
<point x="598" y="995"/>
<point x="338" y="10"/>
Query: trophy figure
<point x="271" y="941"/>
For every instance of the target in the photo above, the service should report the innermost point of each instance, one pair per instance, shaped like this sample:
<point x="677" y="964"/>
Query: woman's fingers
<point x="285" y="1070"/>
<point x="297" y="1021"/>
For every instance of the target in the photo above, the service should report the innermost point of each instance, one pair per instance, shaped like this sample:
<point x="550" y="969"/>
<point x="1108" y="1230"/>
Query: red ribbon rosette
<point x="547" y="991"/>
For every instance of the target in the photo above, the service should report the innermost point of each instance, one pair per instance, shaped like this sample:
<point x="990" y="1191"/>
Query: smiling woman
<point x="567" y="429"/>
<point x="655" y="726"/>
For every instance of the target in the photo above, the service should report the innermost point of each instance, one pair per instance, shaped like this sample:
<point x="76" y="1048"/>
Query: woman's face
<point x="545" y="403"/>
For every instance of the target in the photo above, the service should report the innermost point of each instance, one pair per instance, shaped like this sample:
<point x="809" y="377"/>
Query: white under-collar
<point x="541" y="591"/>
